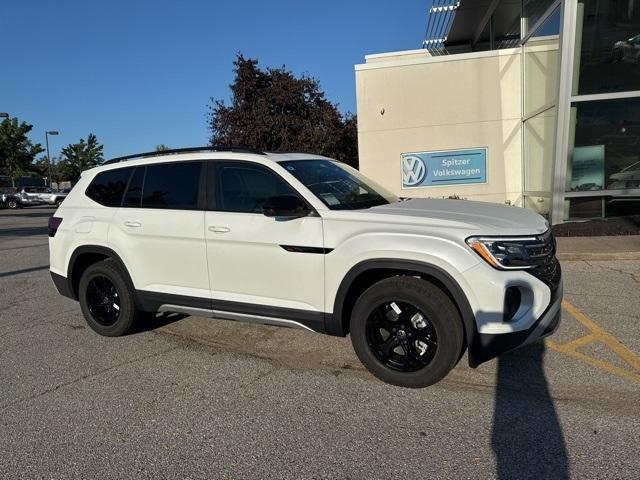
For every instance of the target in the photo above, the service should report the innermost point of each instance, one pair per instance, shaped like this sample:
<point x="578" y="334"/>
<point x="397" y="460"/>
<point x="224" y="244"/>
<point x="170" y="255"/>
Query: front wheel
<point x="106" y="299"/>
<point x="407" y="332"/>
<point x="12" y="203"/>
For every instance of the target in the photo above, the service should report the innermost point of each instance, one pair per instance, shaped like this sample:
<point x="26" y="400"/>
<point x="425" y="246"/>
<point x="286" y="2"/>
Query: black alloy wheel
<point x="107" y="299"/>
<point x="103" y="300"/>
<point x="407" y="331"/>
<point x="401" y="336"/>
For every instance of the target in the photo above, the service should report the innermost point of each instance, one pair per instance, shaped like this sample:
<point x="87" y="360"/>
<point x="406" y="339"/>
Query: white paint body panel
<point x="247" y="263"/>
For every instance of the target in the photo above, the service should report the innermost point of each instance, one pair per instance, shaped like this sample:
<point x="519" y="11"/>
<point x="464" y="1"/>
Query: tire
<point x="58" y="203"/>
<point x="106" y="299"/>
<point x="432" y="333"/>
<point x="12" y="204"/>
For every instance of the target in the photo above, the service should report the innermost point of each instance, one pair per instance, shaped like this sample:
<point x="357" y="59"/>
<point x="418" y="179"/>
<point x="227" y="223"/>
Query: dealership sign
<point x="449" y="167"/>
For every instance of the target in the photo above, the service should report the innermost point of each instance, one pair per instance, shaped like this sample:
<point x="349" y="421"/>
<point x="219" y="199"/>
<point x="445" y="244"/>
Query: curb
<point x="587" y="256"/>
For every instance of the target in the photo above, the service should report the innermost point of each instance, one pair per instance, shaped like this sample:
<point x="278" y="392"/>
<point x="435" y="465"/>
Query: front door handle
<point x="132" y="224"/>
<point x="219" y="229"/>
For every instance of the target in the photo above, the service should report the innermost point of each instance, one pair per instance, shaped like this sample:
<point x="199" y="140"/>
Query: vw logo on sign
<point x="413" y="170"/>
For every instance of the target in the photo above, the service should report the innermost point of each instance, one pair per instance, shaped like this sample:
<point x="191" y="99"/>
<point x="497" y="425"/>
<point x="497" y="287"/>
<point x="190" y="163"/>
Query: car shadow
<point x="153" y="321"/>
<point x="527" y="437"/>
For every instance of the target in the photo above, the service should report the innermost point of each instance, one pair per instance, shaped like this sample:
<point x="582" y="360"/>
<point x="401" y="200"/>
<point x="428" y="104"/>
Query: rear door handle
<point x="219" y="229"/>
<point x="132" y="224"/>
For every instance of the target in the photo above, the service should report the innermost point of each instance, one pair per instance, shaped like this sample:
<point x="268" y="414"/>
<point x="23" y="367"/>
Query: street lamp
<point x="46" y="139"/>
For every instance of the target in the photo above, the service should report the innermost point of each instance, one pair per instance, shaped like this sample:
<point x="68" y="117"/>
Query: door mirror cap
<point x="285" y="206"/>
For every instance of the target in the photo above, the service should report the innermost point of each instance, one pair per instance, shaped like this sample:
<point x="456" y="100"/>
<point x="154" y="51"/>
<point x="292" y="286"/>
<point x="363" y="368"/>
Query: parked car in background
<point x="9" y="200"/>
<point x="27" y="196"/>
<point x="56" y="198"/>
<point x="627" y="50"/>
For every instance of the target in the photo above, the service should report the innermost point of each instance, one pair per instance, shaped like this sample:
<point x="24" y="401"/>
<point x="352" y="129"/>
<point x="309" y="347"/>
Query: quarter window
<point x="108" y="187"/>
<point x="172" y="185"/>
<point x="244" y="188"/>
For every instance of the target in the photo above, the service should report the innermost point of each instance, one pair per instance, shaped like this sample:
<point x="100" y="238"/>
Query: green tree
<point x="274" y="110"/>
<point x="17" y="152"/>
<point x="162" y="148"/>
<point x="77" y="157"/>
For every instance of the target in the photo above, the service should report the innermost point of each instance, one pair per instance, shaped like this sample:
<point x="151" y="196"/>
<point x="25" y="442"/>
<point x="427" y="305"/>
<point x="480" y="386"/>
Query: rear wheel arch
<point x="85" y="256"/>
<point x="365" y="274"/>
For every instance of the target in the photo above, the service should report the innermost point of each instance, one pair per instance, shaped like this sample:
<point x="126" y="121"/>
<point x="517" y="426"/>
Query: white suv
<point x="305" y="241"/>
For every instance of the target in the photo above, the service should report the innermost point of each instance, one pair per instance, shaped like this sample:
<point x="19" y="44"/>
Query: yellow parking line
<point x="597" y="334"/>
<point x="623" y="352"/>
<point x="577" y="343"/>
<point x="601" y="364"/>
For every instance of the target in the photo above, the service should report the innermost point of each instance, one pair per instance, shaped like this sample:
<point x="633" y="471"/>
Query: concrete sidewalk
<point x="623" y="247"/>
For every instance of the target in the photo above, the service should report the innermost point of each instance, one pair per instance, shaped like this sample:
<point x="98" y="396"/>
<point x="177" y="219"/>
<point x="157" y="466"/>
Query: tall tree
<point x="77" y="157"/>
<point x="274" y="110"/>
<point x="17" y="152"/>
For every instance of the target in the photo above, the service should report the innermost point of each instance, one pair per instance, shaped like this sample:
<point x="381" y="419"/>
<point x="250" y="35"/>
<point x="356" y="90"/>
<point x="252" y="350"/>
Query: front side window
<point x="172" y="185"/>
<point x="108" y="187"/>
<point x="337" y="185"/>
<point x="244" y="187"/>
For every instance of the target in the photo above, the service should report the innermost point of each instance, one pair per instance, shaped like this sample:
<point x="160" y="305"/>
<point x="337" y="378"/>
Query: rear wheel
<point x="12" y="203"/>
<point x="58" y="202"/>
<point x="106" y="299"/>
<point x="407" y="332"/>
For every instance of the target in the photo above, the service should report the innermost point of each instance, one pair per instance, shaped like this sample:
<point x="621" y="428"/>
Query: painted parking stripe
<point x="597" y="334"/>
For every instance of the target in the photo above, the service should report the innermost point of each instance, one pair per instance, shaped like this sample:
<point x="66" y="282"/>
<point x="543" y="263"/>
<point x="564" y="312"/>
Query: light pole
<point x="46" y="139"/>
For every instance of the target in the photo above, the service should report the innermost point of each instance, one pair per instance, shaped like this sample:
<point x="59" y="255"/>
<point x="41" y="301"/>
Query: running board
<point x="237" y="317"/>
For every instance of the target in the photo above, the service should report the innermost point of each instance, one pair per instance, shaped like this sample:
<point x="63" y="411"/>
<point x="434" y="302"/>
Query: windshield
<point x="337" y="185"/>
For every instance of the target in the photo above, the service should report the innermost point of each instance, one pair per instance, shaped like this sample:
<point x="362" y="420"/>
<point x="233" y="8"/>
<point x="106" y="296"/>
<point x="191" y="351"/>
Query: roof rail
<point x="211" y="148"/>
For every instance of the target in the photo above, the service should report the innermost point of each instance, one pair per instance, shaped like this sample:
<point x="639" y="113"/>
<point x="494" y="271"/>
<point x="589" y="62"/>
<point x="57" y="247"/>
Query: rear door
<point x="257" y="264"/>
<point x="160" y="230"/>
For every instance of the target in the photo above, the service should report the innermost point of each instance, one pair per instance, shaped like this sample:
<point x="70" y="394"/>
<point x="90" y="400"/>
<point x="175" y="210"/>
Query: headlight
<point x="512" y="253"/>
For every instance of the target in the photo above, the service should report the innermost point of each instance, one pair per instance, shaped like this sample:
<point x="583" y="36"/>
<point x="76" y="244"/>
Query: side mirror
<point x="285" y="206"/>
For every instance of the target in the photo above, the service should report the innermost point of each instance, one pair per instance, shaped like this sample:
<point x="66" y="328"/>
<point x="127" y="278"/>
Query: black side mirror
<point x="286" y="206"/>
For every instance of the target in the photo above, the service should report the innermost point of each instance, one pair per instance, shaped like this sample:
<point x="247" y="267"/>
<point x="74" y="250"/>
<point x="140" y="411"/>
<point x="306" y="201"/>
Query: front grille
<point x="543" y="256"/>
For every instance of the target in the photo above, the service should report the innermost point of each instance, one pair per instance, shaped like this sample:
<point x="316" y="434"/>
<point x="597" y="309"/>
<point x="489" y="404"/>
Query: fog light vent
<point x="512" y="299"/>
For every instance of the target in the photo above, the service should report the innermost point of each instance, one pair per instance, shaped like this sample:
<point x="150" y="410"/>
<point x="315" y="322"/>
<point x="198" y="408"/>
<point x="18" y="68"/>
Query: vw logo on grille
<point x="413" y="170"/>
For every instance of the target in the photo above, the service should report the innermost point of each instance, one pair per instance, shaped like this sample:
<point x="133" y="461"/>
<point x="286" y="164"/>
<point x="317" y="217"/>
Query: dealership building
<point x="533" y="103"/>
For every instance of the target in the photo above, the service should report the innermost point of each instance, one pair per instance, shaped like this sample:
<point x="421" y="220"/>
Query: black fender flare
<point x="443" y="277"/>
<point x="101" y="250"/>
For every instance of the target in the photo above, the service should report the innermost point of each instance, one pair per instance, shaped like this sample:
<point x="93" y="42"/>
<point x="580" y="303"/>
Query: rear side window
<point x="172" y="185"/>
<point x="133" y="197"/>
<point x="108" y="187"/>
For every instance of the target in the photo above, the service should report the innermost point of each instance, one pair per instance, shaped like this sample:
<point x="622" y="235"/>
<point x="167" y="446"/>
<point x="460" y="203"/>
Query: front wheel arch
<point x="368" y="272"/>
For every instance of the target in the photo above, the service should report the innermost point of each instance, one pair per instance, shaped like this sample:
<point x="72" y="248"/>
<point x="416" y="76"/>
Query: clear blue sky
<point x="140" y="72"/>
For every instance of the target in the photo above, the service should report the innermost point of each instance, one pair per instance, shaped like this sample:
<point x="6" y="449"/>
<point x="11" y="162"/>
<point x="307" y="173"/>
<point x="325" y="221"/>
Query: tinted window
<point x="245" y="187"/>
<point x="107" y="188"/>
<point x="133" y="197"/>
<point x="172" y="185"/>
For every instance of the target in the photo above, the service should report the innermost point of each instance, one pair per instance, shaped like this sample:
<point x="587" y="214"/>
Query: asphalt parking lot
<point x="199" y="398"/>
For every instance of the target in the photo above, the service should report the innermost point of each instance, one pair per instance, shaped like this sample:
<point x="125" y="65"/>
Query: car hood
<point x="482" y="217"/>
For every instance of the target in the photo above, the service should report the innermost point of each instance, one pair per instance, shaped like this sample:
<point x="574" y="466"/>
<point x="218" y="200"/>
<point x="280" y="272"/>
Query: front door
<point x="259" y="265"/>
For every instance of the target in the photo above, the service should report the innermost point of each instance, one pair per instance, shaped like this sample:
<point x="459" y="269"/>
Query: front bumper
<point x="487" y="346"/>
